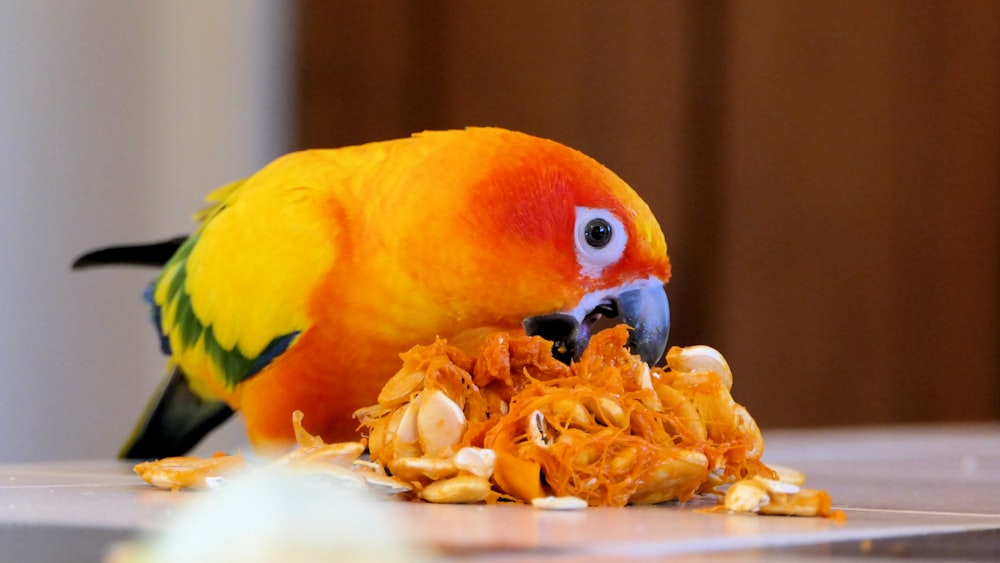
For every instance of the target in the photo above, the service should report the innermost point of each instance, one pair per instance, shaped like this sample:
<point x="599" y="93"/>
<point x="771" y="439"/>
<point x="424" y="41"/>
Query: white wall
<point x="116" y="117"/>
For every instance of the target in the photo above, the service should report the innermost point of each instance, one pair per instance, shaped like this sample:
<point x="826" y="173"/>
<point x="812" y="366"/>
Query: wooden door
<point x="827" y="173"/>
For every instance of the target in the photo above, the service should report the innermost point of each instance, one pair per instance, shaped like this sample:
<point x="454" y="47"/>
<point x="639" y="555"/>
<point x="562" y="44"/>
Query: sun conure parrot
<point x="305" y="281"/>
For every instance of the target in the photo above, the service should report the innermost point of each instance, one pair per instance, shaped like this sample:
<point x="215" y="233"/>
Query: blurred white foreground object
<point x="277" y="515"/>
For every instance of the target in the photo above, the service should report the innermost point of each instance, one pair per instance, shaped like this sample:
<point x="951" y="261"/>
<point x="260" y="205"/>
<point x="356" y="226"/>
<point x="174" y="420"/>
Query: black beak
<point x="563" y="330"/>
<point x="645" y="309"/>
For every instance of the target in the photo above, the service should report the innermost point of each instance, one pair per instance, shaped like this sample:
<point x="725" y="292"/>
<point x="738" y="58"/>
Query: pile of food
<point x="515" y="424"/>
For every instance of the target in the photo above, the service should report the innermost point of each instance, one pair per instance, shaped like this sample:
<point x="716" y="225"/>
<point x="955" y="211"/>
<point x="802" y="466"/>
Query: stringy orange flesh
<point x="607" y="428"/>
<point x="513" y="423"/>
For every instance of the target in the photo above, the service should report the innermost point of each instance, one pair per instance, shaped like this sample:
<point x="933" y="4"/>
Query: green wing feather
<point x="235" y="295"/>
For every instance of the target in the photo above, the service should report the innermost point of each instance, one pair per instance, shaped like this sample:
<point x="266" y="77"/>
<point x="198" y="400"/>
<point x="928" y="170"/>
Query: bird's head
<point x="560" y="242"/>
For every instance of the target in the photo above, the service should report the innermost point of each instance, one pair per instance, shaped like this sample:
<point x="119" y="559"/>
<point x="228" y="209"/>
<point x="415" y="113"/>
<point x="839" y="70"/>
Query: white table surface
<point x="892" y="482"/>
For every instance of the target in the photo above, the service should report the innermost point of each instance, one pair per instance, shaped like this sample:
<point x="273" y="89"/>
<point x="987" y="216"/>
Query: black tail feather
<point x="175" y="421"/>
<point x="152" y="254"/>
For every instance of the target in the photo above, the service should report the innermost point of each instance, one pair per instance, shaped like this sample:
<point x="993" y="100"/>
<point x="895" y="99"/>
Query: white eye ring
<point x="594" y="253"/>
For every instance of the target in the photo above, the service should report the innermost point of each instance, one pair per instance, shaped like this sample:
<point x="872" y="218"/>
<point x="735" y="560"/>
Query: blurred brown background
<point x="827" y="173"/>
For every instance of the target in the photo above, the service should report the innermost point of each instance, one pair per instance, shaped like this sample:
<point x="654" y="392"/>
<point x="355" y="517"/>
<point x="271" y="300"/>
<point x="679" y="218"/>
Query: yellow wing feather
<point x="259" y="257"/>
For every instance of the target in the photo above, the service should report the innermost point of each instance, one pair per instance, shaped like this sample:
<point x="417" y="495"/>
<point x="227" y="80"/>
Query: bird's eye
<point x="597" y="233"/>
<point x="600" y="239"/>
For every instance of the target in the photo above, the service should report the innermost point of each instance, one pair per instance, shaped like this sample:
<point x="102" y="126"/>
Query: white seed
<point x="573" y="412"/>
<point x="477" y="461"/>
<point x="682" y="408"/>
<point x="650" y="399"/>
<point x="746" y="496"/>
<point x="624" y="460"/>
<point x="789" y="475"/>
<point x="406" y="431"/>
<point x="460" y="490"/>
<point x="587" y="453"/>
<point x="559" y="503"/>
<point x="777" y="486"/>
<point x="385" y="483"/>
<point x="421" y="469"/>
<point x="400" y="387"/>
<point x="609" y="412"/>
<point x="537" y="430"/>
<point x="702" y="358"/>
<point x="400" y="436"/>
<point x="369" y="466"/>
<point x="747" y="426"/>
<point x="645" y="380"/>
<point x="370" y="413"/>
<point x="342" y="454"/>
<point x="806" y="502"/>
<point x="378" y="436"/>
<point x="670" y="477"/>
<point x="440" y="423"/>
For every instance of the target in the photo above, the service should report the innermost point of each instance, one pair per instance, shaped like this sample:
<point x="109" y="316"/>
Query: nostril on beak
<point x="608" y="310"/>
